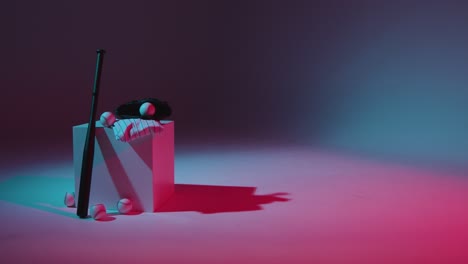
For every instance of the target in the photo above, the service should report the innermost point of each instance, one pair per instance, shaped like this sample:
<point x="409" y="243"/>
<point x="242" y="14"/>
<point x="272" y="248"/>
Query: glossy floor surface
<point x="247" y="205"/>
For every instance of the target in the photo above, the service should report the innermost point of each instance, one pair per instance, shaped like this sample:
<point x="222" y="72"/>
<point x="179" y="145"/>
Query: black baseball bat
<point x="88" y="151"/>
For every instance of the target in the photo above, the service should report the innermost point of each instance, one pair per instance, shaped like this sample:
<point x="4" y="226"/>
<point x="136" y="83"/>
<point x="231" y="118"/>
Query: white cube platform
<point x="141" y="170"/>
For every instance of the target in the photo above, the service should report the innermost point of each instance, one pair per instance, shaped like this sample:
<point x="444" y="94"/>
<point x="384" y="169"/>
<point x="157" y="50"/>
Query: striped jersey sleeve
<point x="126" y="130"/>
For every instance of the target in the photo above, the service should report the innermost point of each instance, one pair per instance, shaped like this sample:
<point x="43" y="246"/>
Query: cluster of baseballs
<point x="108" y="118"/>
<point x="98" y="211"/>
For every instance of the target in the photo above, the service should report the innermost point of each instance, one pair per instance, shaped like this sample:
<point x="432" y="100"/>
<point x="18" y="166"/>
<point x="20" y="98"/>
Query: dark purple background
<point x="376" y="77"/>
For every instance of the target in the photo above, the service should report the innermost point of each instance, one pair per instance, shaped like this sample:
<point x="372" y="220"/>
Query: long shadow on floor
<point x="47" y="194"/>
<point x="210" y="199"/>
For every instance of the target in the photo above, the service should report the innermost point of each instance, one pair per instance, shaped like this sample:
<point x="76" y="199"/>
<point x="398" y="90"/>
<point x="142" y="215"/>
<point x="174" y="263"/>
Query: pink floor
<point x="267" y="205"/>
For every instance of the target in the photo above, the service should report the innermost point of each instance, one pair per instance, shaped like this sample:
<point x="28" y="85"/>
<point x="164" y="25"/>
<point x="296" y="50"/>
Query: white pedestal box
<point x="141" y="170"/>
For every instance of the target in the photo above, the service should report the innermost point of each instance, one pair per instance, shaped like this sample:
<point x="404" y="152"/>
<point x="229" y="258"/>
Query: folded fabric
<point x="126" y="130"/>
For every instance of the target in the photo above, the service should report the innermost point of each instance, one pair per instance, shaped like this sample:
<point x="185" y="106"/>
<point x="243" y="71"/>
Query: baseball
<point x="69" y="199"/>
<point x="98" y="212"/>
<point x="124" y="206"/>
<point x="147" y="109"/>
<point x="107" y="119"/>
